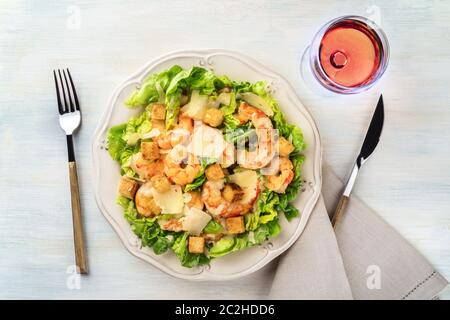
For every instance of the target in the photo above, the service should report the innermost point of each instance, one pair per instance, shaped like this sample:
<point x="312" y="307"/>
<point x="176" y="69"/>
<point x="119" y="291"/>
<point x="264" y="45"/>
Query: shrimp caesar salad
<point x="209" y="165"/>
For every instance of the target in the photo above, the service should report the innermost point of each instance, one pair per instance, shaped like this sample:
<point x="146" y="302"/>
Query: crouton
<point x="232" y="192"/>
<point x="196" y="244"/>
<point x="158" y="111"/>
<point x="149" y="150"/>
<point x="214" y="172"/>
<point x="147" y="206"/>
<point x="128" y="187"/>
<point x="284" y="147"/>
<point x="160" y="183"/>
<point x="159" y="124"/>
<point x="213" y="117"/>
<point x="235" y="225"/>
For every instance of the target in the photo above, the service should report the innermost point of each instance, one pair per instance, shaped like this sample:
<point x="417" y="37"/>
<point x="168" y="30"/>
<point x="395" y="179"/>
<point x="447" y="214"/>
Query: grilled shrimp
<point x="146" y="169"/>
<point x="228" y="155"/>
<point x="169" y="139"/>
<point x="265" y="147"/>
<point x="216" y="203"/>
<point x="186" y="123"/>
<point x="194" y="199"/>
<point x="181" y="168"/>
<point x="145" y="204"/>
<point x="173" y="224"/>
<point x="279" y="181"/>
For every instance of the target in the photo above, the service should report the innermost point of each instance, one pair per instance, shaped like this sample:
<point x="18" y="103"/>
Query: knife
<point x="369" y="145"/>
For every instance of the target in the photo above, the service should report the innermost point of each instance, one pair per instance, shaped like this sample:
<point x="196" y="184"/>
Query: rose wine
<point x="350" y="53"/>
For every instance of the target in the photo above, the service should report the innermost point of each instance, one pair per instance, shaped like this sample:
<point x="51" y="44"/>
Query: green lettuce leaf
<point x="266" y="231"/>
<point x="125" y="162"/>
<point x="213" y="227"/>
<point x="197" y="183"/>
<point x="228" y="245"/>
<point x="152" y="88"/>
<point x="147" y="229"/>
<point x="187" y="259"/>
<point x="196" y="78"/>
<point x="119" y="150"/>
<point x="240" y="132"/>
<point x="229" y="121"/>
<point x="289" y="131"/>
<point x="200" y="178"/>
<point x="292" y="190"/>
<point x="136" y="126"/>
<point x="222" y="247"/>
<point x="265" y="210"/>
<point x="116" y="145"/>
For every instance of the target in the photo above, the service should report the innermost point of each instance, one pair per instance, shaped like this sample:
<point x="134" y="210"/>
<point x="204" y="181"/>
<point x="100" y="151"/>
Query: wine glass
<point x="347" y="55"/>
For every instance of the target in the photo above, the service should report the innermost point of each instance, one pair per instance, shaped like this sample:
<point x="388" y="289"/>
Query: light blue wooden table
<point x="407" y="181"/>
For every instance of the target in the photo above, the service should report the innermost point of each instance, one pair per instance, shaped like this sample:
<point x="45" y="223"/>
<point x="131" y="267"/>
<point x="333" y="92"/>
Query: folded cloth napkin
<point x="364" y="258"/>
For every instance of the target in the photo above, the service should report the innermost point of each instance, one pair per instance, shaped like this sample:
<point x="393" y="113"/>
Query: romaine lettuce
<point x="213" y="227"/>
<point x="228" y="245"/>
<point x="150" y="89"/>
<point x="195" y="78"/>
<point x="147" y="229"/>
<point x="292" y="190"/>
<point x="229" y="121"/>
<point x="115" y="143"/>
<point x="265" y="210"/>
<point x="137" y="126"/>
<point x="200" y="178"/>
<point x="118" y="148"/>
<point x="289" y="131"/>
<point x="187" y="259"/>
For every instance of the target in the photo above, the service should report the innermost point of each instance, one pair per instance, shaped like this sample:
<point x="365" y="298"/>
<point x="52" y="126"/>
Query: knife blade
<point x="370" y="143"/>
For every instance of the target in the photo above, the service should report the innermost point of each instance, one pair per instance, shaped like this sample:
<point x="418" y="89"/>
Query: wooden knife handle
<point x="342" y="204"/>
<point x="80" y="254"/>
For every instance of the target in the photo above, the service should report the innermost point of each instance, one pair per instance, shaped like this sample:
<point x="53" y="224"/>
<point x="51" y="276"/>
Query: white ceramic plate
<point x="107" y="172"/>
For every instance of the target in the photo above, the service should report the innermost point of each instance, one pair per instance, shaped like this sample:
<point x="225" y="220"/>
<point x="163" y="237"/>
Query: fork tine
<point x="58" y="97"/>
<point x="66" y="107"/>
<point x="75" y="97"/>
<point x="69" y="95"/>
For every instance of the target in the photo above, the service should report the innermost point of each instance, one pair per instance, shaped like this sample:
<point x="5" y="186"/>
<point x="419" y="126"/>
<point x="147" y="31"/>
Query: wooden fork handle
<point x="342" y="204"/>
<point x="80" y="253"/>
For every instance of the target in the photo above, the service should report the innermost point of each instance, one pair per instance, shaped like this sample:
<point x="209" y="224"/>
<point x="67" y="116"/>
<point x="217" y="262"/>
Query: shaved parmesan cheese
<point x="170" y="201"/>
<point x="207" y="142"/>
<point x="223" y="98"/>
<point x="196" y="108"/>
<point x="133" y="139"/>
<point x="257" y="102"/>
<point x="194" y="220"/>
<point x="187" y="197"/>
<point x="178" y="153"/>
<point x="249" y="182"/>
<point x="153" y="133"/>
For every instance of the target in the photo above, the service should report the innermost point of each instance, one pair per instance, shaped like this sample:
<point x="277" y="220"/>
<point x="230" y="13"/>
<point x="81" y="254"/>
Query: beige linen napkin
<point x="364" y="259"/>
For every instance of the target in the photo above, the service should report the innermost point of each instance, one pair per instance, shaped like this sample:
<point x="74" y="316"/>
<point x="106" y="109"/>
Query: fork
<point x="70" y="119"/>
